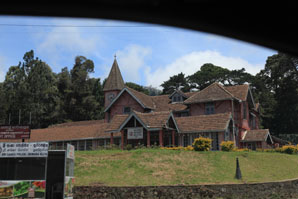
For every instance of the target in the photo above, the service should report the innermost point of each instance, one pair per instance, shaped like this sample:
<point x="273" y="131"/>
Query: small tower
<point x="114" y="83"/>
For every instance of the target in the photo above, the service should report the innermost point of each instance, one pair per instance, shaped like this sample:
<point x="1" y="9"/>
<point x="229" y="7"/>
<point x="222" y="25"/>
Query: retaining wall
<point x="282" y="189"/>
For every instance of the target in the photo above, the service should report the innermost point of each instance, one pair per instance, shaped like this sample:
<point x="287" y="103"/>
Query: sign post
<point x="14" y="132"/>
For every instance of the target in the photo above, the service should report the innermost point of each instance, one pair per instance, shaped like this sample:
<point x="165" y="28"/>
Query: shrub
<point x="227" y="146"/>
<point x="241" y="150"/>
<point x="189" y="148"/>
<point x="177" y="148"/>
<point x="202" y="144"/>
<point x="289" y="149"/>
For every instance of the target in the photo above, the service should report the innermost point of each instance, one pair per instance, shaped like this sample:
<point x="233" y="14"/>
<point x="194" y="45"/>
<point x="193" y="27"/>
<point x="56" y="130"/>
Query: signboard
<point x="33" y="149"/>
<point x="135" y="133"/>
<point x="70" y="151"/>
<point x="14" y="132"/>
<point x="22" y="189"/>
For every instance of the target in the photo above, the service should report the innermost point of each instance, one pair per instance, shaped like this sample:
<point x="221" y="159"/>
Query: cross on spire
<point x="115" y="56"/>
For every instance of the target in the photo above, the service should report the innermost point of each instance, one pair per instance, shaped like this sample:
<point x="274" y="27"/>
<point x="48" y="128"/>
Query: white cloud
<point x="190" y="63"/>
<point x="131" y="60"/>
<point x="71" y="40"/>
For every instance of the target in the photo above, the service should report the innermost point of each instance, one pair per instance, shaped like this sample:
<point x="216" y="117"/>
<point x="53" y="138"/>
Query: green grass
<point x="168" y="167"/>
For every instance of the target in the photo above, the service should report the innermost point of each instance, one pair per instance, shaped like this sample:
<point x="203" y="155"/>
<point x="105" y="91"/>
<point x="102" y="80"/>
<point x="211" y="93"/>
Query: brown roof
<point x="150" y="120"/>
<point x="154" y="119"/>
<point x="203" y="123"/>
<point x="163" y="103"/>
<point x="116" y="122"/>
<point x="79" y="123"/>
<point x="74" y="132"/>
<point x="146" y="100"/>
<point x="156" y="103"/>
<point x="115" y="80"/>
<point x="255" y="135"/>
<point x="238" y="91"/>
<point x="213" y="92"/>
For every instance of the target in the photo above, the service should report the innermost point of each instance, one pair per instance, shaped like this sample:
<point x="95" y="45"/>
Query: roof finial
<point x="115" y="56"/>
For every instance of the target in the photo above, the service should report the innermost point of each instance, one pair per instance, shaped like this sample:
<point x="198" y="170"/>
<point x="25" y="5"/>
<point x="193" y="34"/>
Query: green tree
<point x="174" y="83"/>
<point x="207" y="75"/>
<point x="280" y="80"/>
<point x="43" y="94"/>
<point x="137" y="87"/>
<point x="3" y="105"/>
<point x="16" y="93"/>
<point x="83" y="104"/>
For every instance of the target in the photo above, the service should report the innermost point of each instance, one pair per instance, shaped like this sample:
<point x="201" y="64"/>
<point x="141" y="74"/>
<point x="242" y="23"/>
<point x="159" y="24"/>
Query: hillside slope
<point x="166" y="167"/>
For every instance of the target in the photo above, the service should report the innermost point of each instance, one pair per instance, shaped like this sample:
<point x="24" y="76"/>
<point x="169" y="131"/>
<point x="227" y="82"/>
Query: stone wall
<point x="282" y="189"/>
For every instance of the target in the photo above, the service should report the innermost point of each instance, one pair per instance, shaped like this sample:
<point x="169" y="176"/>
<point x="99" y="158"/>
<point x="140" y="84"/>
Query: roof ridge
<point x="211" y="85"/>
<point x="223" y="88"/>
<point x="143" y="94"/>
<point x="157" y="112"/>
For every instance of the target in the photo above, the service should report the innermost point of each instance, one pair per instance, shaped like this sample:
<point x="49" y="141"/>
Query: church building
<point x="222" y="113"/>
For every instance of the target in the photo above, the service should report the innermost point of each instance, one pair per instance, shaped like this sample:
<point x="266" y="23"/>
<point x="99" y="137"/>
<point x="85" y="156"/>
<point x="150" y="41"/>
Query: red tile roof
<point x="116" y="122"/>
<point x="203" y="123"/>
<point x="255" y="135"/>
<point x="68" y="131"/>
<point x="144" y="99"/>
<point x="163" y="103"/>
<point x="238" y="91"/>
<point x="154" y="119"/>
<point x="150" y="120"/>
<point x="214" y="92"/>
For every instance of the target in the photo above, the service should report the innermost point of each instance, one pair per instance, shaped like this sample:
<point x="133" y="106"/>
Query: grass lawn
<point x="168" y="167"/>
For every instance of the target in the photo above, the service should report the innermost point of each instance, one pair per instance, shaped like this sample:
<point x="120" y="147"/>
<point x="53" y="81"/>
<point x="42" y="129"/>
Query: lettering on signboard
<point x="135" y="133"/>
<point x="36" y="149"/>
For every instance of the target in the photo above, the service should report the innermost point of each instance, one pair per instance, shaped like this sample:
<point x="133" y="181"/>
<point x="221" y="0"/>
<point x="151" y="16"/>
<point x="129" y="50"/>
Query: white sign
<point x="23" y="149"/>
<point x="70" y="152"/>
<point x="135" y="133"/>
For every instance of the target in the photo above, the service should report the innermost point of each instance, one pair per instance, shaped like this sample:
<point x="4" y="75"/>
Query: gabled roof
<point x="115" y="80"/>
<point x="238" y="91"/>
<point x="179" y="92"/>
<point x="213" y="92"/>
<point x="144" y="100"/>
<point x="256" y="135"/>
<point x="156" y="103"/>
<point x="150" y="121"/>
<point x="204" y="123"/>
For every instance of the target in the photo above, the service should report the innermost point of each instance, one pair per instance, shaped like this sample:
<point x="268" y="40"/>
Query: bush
<point x="289" y="149"/>
<point x="189" y="148"/>
<point x="202" y="144"/>
<point x="227" y="146"/>
<point x="241" y="150"/>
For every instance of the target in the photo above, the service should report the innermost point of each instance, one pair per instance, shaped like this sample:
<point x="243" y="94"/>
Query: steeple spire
<point x="115" y="80"/>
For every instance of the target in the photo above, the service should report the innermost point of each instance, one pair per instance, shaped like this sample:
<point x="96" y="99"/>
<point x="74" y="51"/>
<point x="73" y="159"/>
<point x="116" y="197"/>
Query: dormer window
<point x="177" y="98"/>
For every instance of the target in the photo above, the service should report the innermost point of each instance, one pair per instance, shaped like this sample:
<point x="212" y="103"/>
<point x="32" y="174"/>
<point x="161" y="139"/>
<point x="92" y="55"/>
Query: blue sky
<point x="147" y="54"/>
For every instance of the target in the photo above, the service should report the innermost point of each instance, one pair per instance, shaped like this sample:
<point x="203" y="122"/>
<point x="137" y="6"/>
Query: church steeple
<point x="115" y="80"/>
